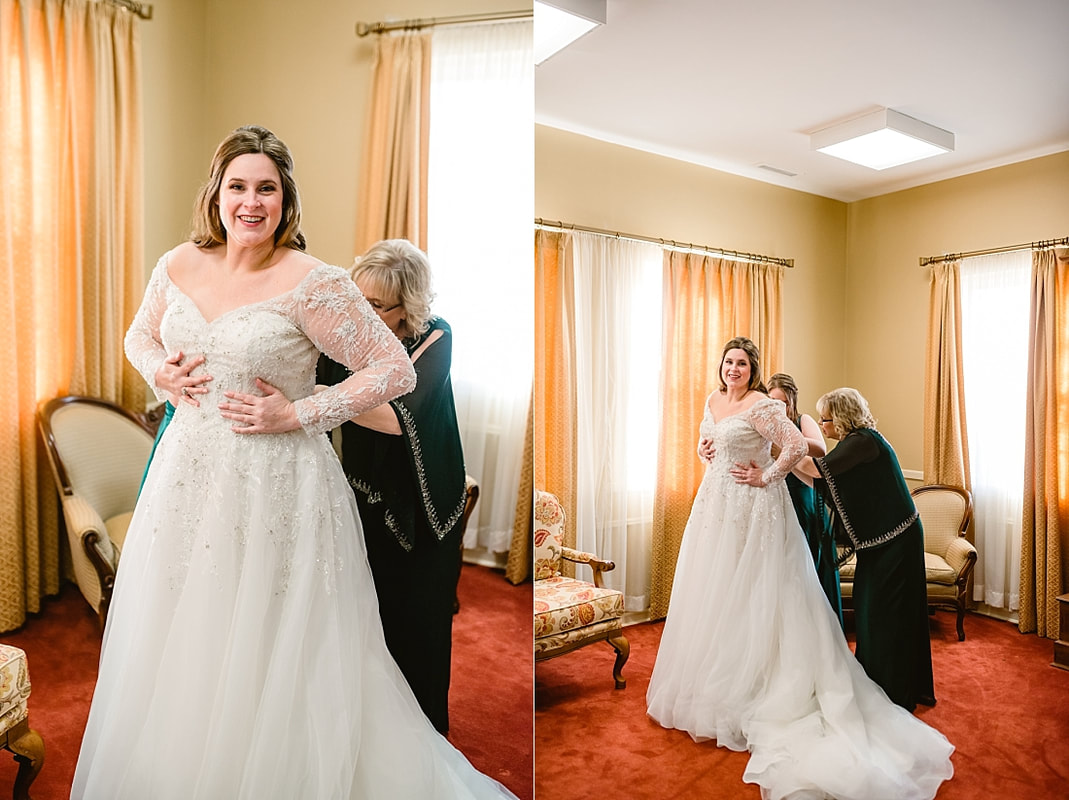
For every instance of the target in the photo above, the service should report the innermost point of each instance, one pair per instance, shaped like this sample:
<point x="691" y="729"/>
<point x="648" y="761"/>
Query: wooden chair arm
<point x="597" y="564"/>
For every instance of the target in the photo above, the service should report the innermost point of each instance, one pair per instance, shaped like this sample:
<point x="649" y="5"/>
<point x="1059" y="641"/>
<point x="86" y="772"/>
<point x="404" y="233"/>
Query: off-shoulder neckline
<point x="744" y="411"/>
<point x="266" y="301"/>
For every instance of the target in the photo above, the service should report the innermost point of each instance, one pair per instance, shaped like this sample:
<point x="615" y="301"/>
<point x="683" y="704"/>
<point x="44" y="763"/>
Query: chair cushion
<point x="557" y="641"/>
<point x="846" y="570"/>
<point x="564" y="604"/>
<point x="937" y="570"/>
<point x="117" y="526"/>
<point x="14" y="686"/>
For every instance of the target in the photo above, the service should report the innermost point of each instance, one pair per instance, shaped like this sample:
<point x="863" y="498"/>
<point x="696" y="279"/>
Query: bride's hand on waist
<point x="751" y="474"/>
<point x="270" y="412"/>
<point x="706" y="450"/>
<point x="175" y="379"/>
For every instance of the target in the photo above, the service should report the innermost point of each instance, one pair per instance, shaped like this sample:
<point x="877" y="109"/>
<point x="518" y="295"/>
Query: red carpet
<point x="490" y="695"/>
<point x="999" y="702"/>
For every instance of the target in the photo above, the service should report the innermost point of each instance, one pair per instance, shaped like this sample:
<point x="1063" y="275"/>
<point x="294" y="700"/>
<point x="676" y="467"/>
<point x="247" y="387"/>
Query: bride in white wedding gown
<point x="243" y="655"/>
<point x="752" y="654"/>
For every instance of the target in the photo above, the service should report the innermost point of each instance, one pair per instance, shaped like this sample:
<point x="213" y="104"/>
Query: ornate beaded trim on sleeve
<point x="439" y="527"/>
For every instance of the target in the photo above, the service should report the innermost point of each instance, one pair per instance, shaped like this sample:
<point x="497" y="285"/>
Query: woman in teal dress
<point x="862" y="483"/>
<point x="807" y="503"/>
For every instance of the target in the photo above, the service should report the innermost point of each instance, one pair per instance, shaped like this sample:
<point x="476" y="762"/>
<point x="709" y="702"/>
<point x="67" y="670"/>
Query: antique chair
<point x="570" y="613"/>
<point x="98" y="453"/>
<point x="471" y="493"/>
<point x="16" y="735"/>
<point x="949" y="557"/>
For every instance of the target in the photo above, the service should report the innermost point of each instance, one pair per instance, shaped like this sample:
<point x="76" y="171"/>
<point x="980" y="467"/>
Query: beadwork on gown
<point x="243" y="655"/>
<point x="752" y="654"/>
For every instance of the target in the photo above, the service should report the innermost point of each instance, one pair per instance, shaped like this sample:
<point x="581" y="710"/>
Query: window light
<point x="558" y="23"/>
<point x="882" y="139"/>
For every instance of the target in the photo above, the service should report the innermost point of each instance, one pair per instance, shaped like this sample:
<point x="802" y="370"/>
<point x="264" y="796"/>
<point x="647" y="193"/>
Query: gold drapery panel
<point x="72" y="266"/>
<point x="518" y="567"/>
<point x="1046" y="498"/>
<point x="393" y="186"/>
<point x="707" y="301"/>
<point x="946" y="444"/>
<point x="554" y="399"/>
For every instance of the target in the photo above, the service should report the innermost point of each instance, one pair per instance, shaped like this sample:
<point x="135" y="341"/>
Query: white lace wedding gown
<point x="753" y="656"/>
<point x="243" y="656"/>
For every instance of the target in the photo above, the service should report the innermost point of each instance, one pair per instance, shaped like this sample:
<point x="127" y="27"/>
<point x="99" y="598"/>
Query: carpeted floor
<point x="490" y="694"/>
<point x="999" y="702"/>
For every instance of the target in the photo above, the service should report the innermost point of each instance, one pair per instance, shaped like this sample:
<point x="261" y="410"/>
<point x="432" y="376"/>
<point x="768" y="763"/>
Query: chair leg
<point x="29" y="750"/>
<point x="961" y="622"/>
<point x="623" y="650"/>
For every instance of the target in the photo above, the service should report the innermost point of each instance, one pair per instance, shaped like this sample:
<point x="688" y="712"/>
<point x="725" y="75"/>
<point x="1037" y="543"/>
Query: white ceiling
<point x="736" y="84"/>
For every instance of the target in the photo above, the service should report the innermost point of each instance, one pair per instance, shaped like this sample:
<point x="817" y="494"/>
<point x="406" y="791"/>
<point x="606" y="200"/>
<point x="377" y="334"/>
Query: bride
<point x="752" y="654"/>
<point x="243" y="655"/>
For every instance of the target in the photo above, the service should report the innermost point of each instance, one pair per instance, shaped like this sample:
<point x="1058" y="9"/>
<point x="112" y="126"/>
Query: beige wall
<point x="582" y="181"/>
<point x="297" y="68"/>
<point x="887" y="290"/>
<point x="856" y="302"/>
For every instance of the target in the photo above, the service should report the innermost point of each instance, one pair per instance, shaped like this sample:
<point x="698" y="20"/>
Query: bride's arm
<point x="769" y="420"/>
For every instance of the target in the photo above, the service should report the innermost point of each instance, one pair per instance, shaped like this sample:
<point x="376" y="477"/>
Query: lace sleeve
<point x="769" y="419"/>
<point x="340" y="322"/>
<point x="143" y="346"/>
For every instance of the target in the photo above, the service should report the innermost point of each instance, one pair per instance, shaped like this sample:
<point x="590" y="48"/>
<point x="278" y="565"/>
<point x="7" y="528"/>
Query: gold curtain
<point x="71" y="260"/>
<point x="554" y="382"/>
<point x="707" y="301"/>
<point x="518" y="566"/>
<point x="393" y="188"/>
<point x="1046" y="499"/>
<point x="946" y="445"/>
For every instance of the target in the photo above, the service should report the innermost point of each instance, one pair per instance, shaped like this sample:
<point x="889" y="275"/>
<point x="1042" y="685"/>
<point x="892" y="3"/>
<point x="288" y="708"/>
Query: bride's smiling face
<point x="735" y="369"/>
<point x="250" y="199"/>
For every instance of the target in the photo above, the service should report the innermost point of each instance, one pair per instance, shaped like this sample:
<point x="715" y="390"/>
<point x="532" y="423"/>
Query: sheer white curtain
<point x="480" y="206"/>
<point x="618" y="334"/>
<point x="994" y="303"/>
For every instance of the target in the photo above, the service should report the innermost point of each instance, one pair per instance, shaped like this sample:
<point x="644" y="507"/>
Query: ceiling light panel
<point x="558" y="23"/>
<point x="882" y="139"/>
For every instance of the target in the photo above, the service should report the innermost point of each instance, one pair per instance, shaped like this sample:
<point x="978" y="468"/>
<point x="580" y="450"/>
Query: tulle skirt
<point x="752" y="656"/>
<point x="243" y="655"/>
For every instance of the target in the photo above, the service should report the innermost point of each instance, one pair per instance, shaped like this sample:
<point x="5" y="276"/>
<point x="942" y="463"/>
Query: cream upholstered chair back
<point x="548" y="535"/>
<point x="949" y="557"/>
<point x="98" y="453"/>
<point x="945" y="513"/>
<point x="103" y="454"/>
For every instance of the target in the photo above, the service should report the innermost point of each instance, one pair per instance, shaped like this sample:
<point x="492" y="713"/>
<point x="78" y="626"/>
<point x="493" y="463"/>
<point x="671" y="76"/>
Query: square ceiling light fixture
<point x="882" y="139"/>
<point x="558" y="23"/>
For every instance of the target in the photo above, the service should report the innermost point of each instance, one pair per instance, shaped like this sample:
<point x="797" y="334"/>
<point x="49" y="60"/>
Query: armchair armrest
<point x="959" y="552"/>
<point x="88" y="535"/>
<point x="598" y="565"/>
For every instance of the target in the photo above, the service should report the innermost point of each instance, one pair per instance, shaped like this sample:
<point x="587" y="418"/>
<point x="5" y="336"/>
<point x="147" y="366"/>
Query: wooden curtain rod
<point x="366" y="28"/>
<point x="143" y="10"/>
<point x="734" y="255"/>
<point x="1044" y="244"/>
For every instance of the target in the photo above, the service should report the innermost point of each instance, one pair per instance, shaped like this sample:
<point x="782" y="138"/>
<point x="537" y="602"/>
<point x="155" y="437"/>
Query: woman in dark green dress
<point x="807" y="503"/>
<point x="405" y="463"/>
<point x="872" y="510"/>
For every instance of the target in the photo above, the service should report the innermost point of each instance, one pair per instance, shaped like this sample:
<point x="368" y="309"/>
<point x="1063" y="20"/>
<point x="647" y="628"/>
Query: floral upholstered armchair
<point x="570" y="613"/>
<point x="16" y="735"/>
